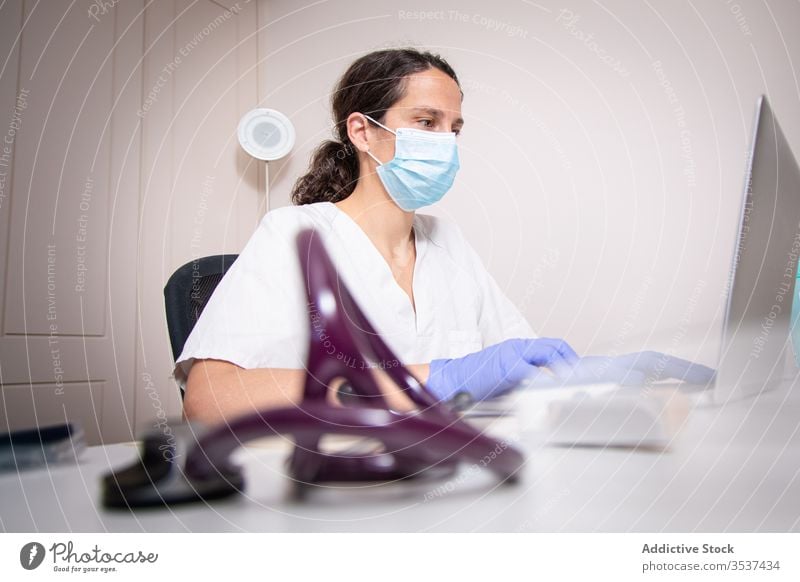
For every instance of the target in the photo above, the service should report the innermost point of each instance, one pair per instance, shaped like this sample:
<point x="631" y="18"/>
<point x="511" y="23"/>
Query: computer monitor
<point x="755" y="335"/>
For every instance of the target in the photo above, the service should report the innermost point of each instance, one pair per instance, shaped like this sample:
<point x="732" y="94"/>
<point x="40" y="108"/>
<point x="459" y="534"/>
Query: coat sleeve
<point x="256" y="317"/>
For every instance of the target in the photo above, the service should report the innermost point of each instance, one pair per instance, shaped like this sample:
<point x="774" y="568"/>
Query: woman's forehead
<point x="431" y="89"/>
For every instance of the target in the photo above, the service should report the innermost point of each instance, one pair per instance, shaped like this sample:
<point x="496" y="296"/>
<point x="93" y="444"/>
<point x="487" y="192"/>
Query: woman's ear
<point x="357" y="126"/>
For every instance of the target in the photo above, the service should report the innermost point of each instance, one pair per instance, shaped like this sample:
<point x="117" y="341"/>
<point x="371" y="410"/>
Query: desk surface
<point x="732" y="469"/>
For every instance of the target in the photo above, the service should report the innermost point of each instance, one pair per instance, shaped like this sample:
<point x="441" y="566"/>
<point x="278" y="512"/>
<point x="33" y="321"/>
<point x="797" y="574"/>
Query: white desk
<point x="732" y="469"/>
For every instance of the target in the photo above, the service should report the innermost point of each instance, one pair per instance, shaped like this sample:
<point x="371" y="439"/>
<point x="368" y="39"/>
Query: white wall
<point x="604" y="147"/>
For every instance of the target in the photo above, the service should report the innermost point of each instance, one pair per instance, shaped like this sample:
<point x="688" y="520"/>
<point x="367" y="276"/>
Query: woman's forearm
<point x="217" y="390"/>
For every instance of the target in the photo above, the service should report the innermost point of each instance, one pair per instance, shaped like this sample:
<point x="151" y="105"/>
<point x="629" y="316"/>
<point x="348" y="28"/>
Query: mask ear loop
<point x="378" y="123"/>
<point x="377" y="161"/>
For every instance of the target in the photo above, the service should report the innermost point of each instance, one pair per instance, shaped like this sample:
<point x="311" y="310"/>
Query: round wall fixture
<point x="266" y="134"/>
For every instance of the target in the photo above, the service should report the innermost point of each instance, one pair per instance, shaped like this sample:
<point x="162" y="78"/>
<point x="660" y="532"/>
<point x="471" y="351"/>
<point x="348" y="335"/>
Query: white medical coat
<point x="258" y="315"/>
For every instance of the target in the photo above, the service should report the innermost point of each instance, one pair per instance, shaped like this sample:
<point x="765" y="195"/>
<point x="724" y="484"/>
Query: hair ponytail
<point x="371" y="85"/>
<point x="332" y="174"/>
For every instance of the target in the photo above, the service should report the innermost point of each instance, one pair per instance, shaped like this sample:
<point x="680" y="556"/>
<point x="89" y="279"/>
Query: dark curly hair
<point x="371" y="85"/>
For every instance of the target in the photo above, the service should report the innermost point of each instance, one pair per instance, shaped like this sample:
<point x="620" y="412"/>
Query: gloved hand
<point x="499" y="368"/>
<point x="635" y="369"/>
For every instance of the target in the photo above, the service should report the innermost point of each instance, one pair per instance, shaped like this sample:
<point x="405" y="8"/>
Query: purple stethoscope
<point x="193" y="462"/>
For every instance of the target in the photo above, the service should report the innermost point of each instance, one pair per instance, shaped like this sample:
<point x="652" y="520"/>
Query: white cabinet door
<point x="71" y="146"/>
<point x="118" y="163"/>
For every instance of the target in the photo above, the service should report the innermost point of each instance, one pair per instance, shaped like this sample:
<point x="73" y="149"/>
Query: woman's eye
<point x="426" y="122"/>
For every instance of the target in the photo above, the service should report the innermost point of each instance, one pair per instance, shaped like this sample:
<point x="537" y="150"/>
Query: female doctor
<point x="423" y="288"/>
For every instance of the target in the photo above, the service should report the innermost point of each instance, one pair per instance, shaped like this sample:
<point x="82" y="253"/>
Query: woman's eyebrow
<point x="433" y="112"/>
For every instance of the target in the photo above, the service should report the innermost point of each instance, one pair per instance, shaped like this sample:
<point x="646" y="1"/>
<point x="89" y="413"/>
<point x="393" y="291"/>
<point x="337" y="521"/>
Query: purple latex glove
<point x="635" y="369"/>
<point x="499" y="368"/>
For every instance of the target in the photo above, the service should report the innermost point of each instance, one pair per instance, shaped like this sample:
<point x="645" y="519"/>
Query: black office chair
<point x="186" y="294"/>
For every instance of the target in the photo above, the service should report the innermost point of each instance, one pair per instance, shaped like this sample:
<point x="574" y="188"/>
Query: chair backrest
<point x="187" y="292"/>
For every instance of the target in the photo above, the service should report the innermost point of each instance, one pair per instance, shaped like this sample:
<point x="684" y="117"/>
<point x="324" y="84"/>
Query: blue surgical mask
<point x="423" y="168"/>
